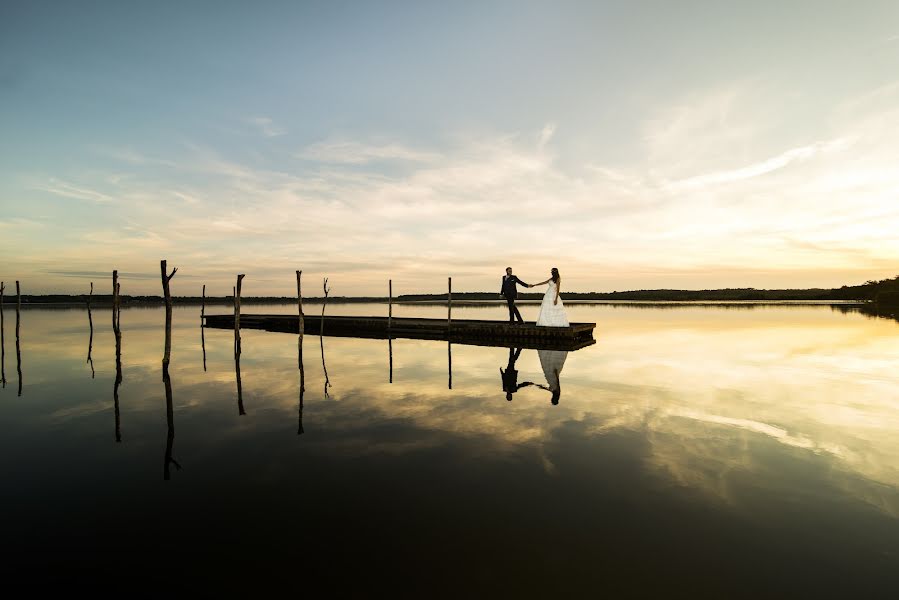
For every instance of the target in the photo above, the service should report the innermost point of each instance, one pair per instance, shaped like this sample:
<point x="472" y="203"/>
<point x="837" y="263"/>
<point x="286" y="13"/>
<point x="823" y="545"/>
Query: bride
<point x="552" y="311"/>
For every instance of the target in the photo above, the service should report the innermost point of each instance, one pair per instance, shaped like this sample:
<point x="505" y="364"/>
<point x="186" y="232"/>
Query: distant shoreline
<point x="458" y="303"/>
<point x="880" y="291"/>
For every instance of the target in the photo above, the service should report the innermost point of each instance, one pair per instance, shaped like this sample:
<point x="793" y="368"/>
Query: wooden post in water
<point x="449" y="304"/>
<point x="203" y="304"/>
<point x="302" y="319"/>
<point x="389" y="303"/>
<point x="115" y="300"/>
<point x="321" y="329"/>
<point x="240" y="277"/>
<point x="18" y="348"/>
<point x="166" y="357"/>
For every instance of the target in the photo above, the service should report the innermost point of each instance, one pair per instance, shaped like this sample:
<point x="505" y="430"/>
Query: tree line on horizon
<point x="869" y="290"/>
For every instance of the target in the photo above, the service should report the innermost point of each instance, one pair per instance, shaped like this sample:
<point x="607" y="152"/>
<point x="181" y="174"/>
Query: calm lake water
<point x="694" y="451"/>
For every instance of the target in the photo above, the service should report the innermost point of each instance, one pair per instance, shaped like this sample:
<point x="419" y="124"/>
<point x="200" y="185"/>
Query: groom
<point x="510" y="292"/>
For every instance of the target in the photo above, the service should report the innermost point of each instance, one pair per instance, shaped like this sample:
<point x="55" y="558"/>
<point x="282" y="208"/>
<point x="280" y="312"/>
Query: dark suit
<point x="509" y="290"/>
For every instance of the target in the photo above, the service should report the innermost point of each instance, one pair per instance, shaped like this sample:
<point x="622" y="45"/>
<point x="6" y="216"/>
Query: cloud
<point x="266" y="126"/>
<point x="357" y="153"/>
<point x="69" y="190"/>
<point x="761" y="168"/>
<point x="709" y="181"/>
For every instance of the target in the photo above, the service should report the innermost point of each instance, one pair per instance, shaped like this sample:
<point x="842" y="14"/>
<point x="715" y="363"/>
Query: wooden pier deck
<point x="461" y="331"/>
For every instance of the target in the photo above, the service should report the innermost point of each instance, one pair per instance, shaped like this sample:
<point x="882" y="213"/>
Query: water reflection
<point x="552" y="361"/>
<point x="748" y="439"/>
<point x="170" y="427"/>
<point x="90" y="340"/>
<point x="449" y="362"/>
<point x="2" y="339"/>
<point x="203" y="344"/>
<point x="321" y="340"/>
<point x="117" y="334"/>
<point x="509" y="376"/>
<point x="240" y="408"/>
<point x="18" y="347"/>
<point x="302" y="370"/>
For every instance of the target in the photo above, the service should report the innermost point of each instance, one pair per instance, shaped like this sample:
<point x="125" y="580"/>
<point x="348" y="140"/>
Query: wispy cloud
<point x="760" y="168"/>
<point x="70" y="190"/>
<point x="266" y="126"/>
<point x="357" y="153"/>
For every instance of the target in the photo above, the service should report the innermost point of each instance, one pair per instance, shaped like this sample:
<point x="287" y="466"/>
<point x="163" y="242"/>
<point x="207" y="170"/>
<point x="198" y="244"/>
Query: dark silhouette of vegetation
<point x="866" y="291"/>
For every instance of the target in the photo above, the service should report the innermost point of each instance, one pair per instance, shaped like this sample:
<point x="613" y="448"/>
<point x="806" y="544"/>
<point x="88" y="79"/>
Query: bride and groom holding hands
<point x="552" y="310"/>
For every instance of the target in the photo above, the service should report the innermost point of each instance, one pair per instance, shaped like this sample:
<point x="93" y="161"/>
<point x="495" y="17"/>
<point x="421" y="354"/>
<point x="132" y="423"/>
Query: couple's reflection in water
<point x="551" y="361"/>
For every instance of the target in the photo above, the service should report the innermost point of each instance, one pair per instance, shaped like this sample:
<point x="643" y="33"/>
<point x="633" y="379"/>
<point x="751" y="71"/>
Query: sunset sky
<point x="689" y="144"/>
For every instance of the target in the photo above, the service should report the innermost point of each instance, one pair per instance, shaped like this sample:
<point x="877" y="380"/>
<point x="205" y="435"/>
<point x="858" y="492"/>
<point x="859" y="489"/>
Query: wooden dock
<point x="460" y="331"/>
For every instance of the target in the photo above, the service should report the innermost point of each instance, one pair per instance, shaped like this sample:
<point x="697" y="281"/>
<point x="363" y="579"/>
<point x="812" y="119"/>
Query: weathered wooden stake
<point x="203" y="304"/>
<point x="168" y="313"/>
<point x="321" y="329"/>
<point x="240" y="277"/>
<point x="389" y="302"/>
<point x="91" y="295"/>
<point x="449" y="303"/>
<point x="115" y="300"/>
<point x="302" y="322"/>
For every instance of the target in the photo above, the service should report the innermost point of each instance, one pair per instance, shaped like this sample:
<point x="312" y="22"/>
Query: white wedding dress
<point x="552" y="315"/>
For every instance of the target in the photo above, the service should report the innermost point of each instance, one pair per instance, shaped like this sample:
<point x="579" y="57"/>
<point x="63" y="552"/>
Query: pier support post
<point x="240" y="277"/>
<point x="321" y="327"/>
<point x="449" y="304"/>
<point x="302" y="323"/>
<point x="115" y="300"/>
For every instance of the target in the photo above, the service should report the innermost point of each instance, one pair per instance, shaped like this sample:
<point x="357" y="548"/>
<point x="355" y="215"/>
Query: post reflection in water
<point x="203" y="344"/>
<point x="321" y="340"/>
<point x="300" y="429"/>
<point x="449" y="360"/>
<point x="390" y="353"/>
<point x="18" y="347"/>
<point x="552" y="362"/>
<point x="2" y="340"/>
<point x="170" y="427"/>
<point x="90" y="340"/>
<point x="240" y="409"/>
<point x="118" y="382"/>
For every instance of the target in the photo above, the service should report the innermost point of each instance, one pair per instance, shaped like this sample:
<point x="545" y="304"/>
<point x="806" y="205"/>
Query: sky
<point x="631" y="144"/>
